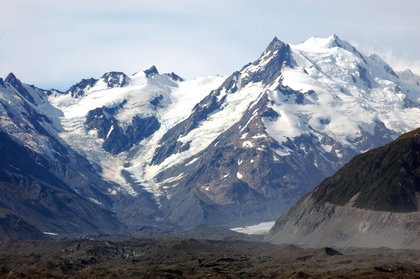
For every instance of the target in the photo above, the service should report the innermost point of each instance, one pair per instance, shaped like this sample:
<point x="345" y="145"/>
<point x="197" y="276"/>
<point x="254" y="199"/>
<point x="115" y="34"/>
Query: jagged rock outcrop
<point x="81" y="88"/>
<point x="116" y="140"/>
<point x="151" y="71"/>
<point x="115" y="79"/>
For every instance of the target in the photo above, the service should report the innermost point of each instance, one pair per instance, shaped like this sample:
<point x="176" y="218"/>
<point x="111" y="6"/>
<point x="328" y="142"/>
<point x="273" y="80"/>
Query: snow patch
<point x="258" y="229"/>
<point x="112" y="191"/>
<point x="110" y="131"/>
<point x="16" y="168"/>
<point x="95" y="201"/>
<point x="192" y="161"/>
<point x="327" y="148"/>
<point x="247" y="144"/>
<point x="50" y="233"/>
<point x="282" y="151"/>
<point x="258" y="136"/>
<point x="173" y="179"/>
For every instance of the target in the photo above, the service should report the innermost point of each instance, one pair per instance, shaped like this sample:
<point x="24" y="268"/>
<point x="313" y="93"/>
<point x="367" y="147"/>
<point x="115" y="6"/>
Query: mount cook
<point x="125" y="153"/>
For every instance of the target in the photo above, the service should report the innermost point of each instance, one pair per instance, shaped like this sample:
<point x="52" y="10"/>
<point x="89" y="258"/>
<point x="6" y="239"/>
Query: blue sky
<point x="56" y="43"/>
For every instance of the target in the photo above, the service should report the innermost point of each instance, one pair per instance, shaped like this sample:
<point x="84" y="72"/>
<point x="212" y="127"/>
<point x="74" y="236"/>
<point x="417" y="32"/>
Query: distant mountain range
<point x="153" y="151"/>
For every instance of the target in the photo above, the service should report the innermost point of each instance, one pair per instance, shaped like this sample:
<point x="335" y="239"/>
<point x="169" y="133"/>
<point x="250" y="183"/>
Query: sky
<point x="56" y="43"/>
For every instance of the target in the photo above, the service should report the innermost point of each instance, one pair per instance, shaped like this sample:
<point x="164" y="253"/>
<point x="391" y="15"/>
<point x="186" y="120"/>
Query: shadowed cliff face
<point x="14" y="227"/>
<point x="372" y="201"/>
<point x="36" y="189"/>
<point x="116" y="140"/>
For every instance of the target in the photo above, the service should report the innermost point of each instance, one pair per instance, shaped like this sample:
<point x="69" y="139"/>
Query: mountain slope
<point x="384" y="179"/>
<point x="13" y="227"/>
<point x="154" y="150"/>
<point x="374" y="200"/>
<point x="34" y="188"/>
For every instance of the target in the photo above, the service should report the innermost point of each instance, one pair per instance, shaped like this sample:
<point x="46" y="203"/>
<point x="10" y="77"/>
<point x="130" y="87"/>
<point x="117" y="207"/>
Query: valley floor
<point x="191" y="258"/>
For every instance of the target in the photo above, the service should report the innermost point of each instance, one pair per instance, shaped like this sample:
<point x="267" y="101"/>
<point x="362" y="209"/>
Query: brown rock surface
<point x="191" y="258"/>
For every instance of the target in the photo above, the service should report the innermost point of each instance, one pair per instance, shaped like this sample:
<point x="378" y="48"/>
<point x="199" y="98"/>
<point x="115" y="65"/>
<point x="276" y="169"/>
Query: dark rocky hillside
<point x="371" y="201"/>
<point x="34" y="190"/>
<point x="384" y="179"/>
<point x="14" y="227"/>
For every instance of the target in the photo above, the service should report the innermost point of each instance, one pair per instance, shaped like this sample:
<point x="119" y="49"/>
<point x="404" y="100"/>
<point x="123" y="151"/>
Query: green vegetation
<point x="385" y="179"/>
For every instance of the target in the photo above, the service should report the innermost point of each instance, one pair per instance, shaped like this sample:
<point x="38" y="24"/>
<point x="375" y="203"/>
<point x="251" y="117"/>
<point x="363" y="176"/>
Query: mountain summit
<point x="224" y="151"/>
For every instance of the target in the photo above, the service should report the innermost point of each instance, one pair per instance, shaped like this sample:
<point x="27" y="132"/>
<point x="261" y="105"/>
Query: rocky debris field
<point x="192" y="258"/>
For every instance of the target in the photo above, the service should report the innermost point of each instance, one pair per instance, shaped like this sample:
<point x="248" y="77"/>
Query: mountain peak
<point x="14" y="82"/>
<point x="81" y="87"/>
<point x="334" y="37"/>
<point x="317" y="45"/>
<point x="335" y="41"/>
<point x="275" y="45"/>
<point x="11" y="78"/>
<point x="329" y="42"/>
<point x="268" y="67"/>
<point x="115" y="79"/>
<point x="151" y="71"/>
<point x="174" y="76"/>
<point x="406" y="74"/>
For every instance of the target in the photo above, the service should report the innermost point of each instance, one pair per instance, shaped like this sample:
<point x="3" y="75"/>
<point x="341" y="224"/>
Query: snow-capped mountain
<point x="275" y="129"/>
<point x="225" y="151"/>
